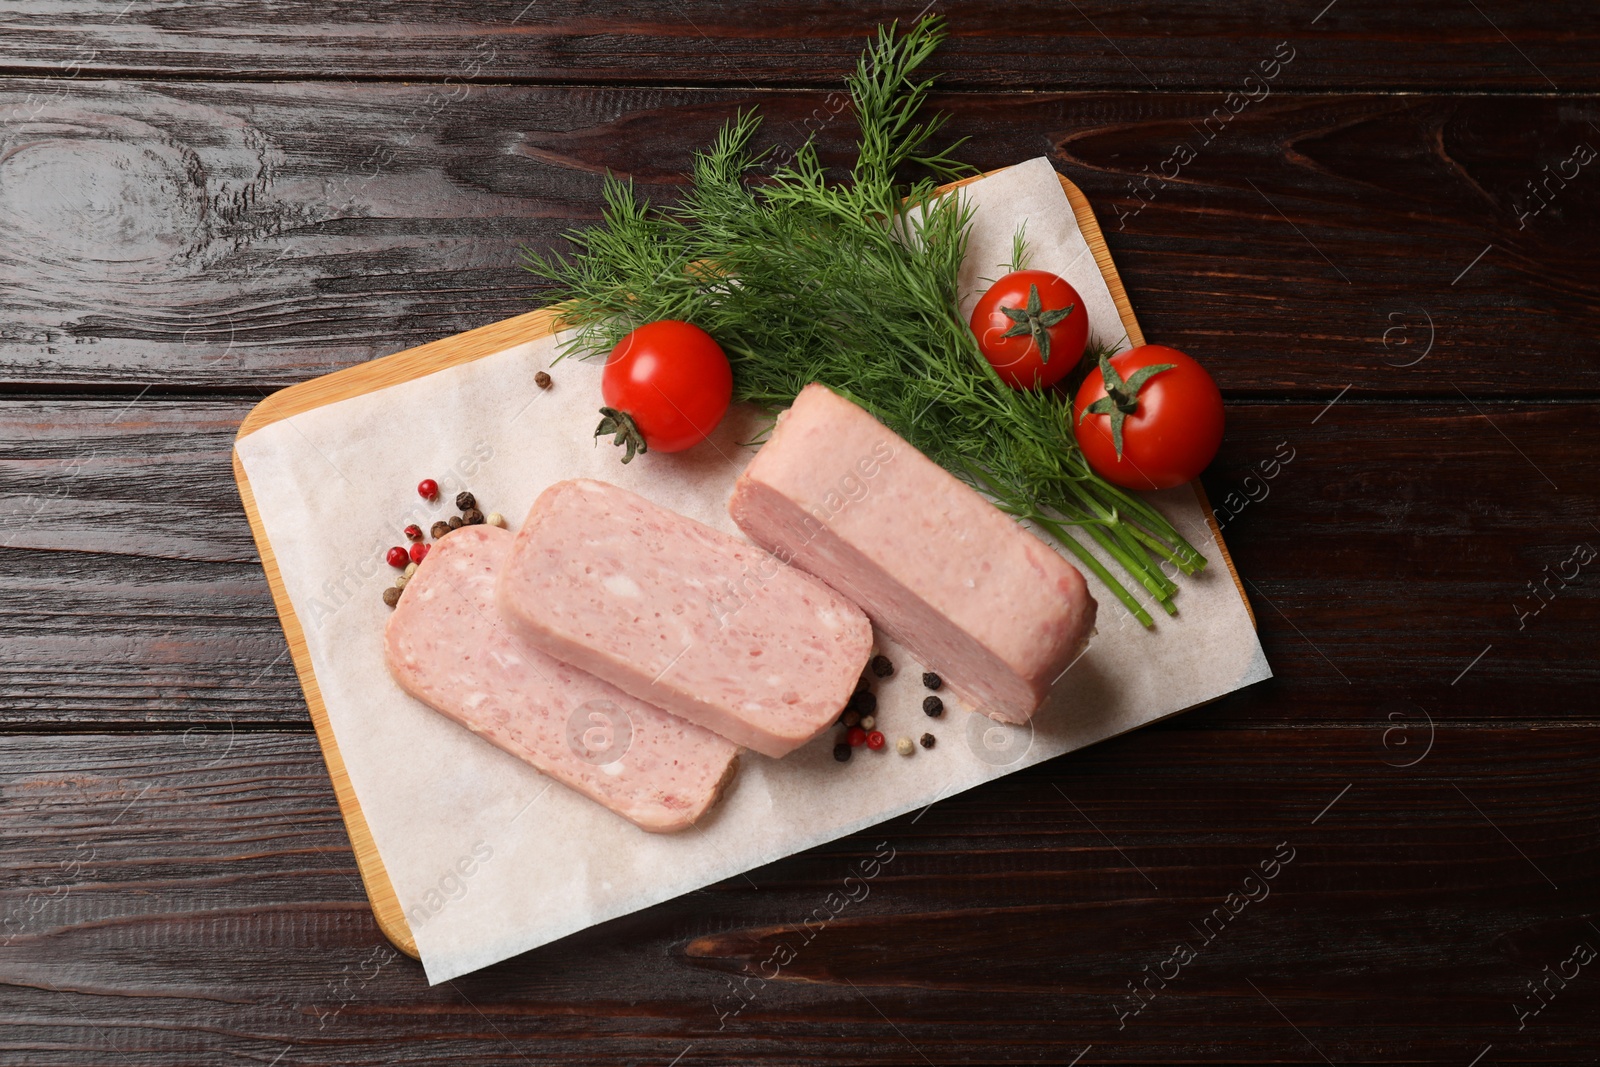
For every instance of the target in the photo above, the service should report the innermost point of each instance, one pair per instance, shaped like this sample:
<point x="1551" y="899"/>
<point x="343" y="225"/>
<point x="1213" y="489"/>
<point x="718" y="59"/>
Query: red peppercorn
<point x="413" y="532"/>
<point x="875" y="740"/>
<point x="397" y="557"/>
<point x="855" y="736"/>
<point x="418" y="551"/>
<point x="428" y="489"/>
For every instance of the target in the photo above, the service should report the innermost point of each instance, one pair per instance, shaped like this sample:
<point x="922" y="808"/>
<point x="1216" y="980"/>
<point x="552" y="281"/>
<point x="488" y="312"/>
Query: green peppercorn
<point x="931" y="680"/>
<point x="391" y="596"/>
<point x="881" y="666"/>
<point x="932" y="707"/>
<point x="841" y="752"/>
<point x="928" y="740"/>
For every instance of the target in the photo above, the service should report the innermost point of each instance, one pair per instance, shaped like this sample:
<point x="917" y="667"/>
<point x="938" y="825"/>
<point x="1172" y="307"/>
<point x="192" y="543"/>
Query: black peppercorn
<point x="932" y="706"/>
<point x="881" y="666"/>
<point x="850" y="718"/>
<point x="465" y="501"/>
<point x="841" y="752"/>
<point x="932" y="681"/>
<point x="928" y="740"/>
<point x="439" y="529"/>
<point x="456" y="523"/>
<point x="472" y="517"/>
<point x="863" y="702"/>
<point x="391" y="596"/>
<point x="542" y="380"/>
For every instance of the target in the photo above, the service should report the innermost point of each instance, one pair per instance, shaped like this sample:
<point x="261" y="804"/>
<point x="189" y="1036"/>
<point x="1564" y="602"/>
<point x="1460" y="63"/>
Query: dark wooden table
<point x="1386" y="253"/>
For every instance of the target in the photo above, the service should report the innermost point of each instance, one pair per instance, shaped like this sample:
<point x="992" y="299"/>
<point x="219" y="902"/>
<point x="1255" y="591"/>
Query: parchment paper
<point x="488" y="857"/>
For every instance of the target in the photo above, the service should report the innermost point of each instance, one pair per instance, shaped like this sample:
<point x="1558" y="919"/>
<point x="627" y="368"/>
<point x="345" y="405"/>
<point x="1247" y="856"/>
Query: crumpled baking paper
<point x="488" y="857"/>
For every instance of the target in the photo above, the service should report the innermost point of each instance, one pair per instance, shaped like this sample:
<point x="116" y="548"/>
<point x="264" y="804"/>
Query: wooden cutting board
<point x="451" y="352"/>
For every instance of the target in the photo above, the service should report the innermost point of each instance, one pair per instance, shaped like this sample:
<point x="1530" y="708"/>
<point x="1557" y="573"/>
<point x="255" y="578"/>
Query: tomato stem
<point x="624" y="430"/>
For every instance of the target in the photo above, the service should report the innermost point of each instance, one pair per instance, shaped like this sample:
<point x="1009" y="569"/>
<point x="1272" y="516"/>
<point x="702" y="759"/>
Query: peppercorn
<point x="904" y="746"/>
<point x="855" y="736"/>
<point x="400" y="582"/>
<point x="875" y="740"/>
<point x="391" y="596"/>
<point x="411" y="568"/>
<point x="863" y="702"/>
<point x="439" y="529"/>
<point x="418" y="551"/>
<point x="396" y="557"/>
<point x="465" y="501"/>
<point x="841" y="752"/>
<point x="413" y="532"/>
<point x="928" y="740"/>
<point x="494" y="518"/>
<point x="868" y="722"/>
<point x="428" y="489"/>
<point x="472" y="517"/>
<point x="881" y="666"/>
<point x="542" y="380"/>
<point x="850" y="718"/>
<point x="931" y="680"/>
<point x="455" y="522"/>
<point x="932" y="706"/>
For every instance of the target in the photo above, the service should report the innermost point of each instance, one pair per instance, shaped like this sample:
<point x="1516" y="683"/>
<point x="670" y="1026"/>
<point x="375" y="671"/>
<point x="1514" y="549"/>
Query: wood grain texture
<point x="183" y="899"/>
<point x="1397" y="542"/>
<point x="1129" y="47"/>
<point x="208" y="235"/>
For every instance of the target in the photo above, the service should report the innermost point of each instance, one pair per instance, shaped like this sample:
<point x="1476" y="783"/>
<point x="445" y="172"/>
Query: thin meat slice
<point x="447" y="646"/>
<point x="689" y="618"/>
<point x="996" y="612"/>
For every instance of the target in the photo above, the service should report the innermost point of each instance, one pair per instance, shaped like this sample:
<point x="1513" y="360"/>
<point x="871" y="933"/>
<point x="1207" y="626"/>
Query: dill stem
<point x="1088" y="559"/>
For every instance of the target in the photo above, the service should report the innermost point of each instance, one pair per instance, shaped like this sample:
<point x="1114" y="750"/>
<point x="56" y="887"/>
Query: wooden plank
<point x="1130" y="47"/>
<point x="224" y="235"/>
<point x="187" y="898"/>
<point x="1399" y="540"/>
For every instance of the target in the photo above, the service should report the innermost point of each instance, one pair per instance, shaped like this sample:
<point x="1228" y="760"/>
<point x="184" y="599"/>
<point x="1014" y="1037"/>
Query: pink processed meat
<point x="447" y="646"/>
<point x="996" y="612"/>
<point x="689" y="618"/>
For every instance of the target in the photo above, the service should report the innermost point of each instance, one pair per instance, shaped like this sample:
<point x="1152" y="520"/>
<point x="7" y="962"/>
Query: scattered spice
<point x="875" y="740"/>
<point x="931" y="680"/>
<point x="881" y="666"/>
<point x="472" y="517"/>
<point x="904" y="746"/>
<point x="465" y="501"/>
<point x="413" y="532"/>
<point x="400" y="582"/>
<point x="396" y="557"/>
<point x="440" y="529"/>
<point x="542" y="380"/>
<point x="417" y="552"/>
<point x="928" y="740"/>
<point x="841" y="751"/>
<point x="428" y="489"/>
<point x="496" y="519"/>
<point x="863" y="702"/>
<point x="855" y="736"/>
<point x="868" y="722"/>
<point x="850" y="718"/>
<point x="455" y="522"/>
<point x="411" y="568"/>
<point x="932" y="706"/>
<point x="391" y="596"/>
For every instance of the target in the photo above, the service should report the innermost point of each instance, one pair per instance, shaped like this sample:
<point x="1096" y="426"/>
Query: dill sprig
<point x="854" y="284"/>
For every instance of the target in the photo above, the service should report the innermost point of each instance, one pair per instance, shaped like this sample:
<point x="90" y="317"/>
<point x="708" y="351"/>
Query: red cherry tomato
<point x="666" y="386"/>
<point x="1171" y="419"/>
<point x="1032" y="327"/>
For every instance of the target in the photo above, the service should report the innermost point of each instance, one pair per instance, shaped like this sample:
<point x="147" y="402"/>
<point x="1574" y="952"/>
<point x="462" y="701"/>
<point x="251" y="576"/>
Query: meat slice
<point x="689" y="618"/>
<point x="447" y="646"/>
<point x="977" y="598"/>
